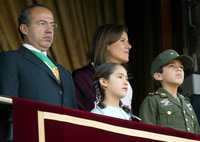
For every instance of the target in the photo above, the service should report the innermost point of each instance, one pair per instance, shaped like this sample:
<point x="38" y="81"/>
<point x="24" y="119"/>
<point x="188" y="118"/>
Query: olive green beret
<point x="168" y="55"/>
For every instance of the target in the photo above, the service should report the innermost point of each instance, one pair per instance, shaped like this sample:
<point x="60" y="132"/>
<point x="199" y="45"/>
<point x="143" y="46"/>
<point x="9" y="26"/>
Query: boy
<point x="166" y="107"/>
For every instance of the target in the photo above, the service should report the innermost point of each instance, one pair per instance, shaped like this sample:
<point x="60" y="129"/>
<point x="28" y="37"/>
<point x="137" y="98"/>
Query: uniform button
<point x="184" y="111"/>
<point x="188" y="129"/>
<point x="186" y="120"/>
<point x="60" y="92"/>
<point x="169" y="112"/>
<point x="192" y="117"/>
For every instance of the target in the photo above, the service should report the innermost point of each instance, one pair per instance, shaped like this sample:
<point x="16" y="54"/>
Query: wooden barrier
<point x="39" y="122"/>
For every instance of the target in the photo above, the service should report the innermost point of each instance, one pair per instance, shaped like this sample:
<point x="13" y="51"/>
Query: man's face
<point x="40" y="30"/>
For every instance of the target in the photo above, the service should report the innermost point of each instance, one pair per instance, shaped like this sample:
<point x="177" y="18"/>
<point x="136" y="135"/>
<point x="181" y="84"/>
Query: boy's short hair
<point x="168" y="55"/>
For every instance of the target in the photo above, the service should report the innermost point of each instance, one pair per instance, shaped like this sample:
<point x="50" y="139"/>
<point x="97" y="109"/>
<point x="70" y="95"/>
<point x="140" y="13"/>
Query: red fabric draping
<point x="26" y="126"/>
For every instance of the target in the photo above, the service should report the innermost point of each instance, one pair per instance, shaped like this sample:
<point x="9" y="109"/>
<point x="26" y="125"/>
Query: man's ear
<point x="103" y="82"/>
<point x="24" y="29"/>
<point x="157" y="76"/>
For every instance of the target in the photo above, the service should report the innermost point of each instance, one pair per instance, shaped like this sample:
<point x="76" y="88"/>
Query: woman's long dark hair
<point x="104" y="36"/>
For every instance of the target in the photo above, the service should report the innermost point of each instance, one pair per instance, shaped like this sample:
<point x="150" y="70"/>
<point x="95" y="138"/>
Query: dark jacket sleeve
<point x="85" y="92"/>
<point x="9" y="82"/>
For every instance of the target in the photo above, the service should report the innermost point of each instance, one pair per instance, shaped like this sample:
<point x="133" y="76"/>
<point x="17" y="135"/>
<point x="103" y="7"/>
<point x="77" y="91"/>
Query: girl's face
<point x="118" y="52"/>
<point x="117" y="84"/>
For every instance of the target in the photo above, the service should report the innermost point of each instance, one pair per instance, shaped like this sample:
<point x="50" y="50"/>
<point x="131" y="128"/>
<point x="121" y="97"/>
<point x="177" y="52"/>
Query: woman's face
<point x="118" y="52"/>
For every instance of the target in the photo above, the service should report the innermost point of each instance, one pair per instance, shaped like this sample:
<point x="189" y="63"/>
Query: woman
<point x="110" y="45"/>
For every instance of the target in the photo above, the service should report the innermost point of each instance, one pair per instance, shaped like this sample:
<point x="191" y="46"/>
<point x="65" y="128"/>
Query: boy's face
<point x="172" y="74"/>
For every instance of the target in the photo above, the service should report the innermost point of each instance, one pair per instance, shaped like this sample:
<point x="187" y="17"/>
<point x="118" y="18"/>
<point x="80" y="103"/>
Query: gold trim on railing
<point x="5" y="100"/>
<point x="102" y="126"/>
<point x="41" y="129"/>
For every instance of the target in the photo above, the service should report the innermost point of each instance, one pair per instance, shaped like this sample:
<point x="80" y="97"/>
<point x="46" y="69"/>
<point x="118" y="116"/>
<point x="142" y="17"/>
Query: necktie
<point x="49" y="63"/>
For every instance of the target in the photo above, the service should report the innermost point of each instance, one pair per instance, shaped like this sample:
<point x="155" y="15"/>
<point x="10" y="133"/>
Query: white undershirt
<point x="111" y="111"/>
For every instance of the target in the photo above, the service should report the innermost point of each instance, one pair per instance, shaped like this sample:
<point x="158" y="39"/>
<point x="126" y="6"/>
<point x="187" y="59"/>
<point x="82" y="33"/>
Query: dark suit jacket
<point x="24" y="75"/>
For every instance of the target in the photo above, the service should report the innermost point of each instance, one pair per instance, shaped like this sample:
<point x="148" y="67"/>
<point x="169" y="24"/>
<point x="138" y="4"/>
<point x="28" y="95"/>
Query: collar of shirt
<point x="30" y="47"/>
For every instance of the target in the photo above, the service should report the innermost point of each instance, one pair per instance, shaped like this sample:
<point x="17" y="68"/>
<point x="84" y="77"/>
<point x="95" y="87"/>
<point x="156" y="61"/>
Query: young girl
<point x="111" y="84"/>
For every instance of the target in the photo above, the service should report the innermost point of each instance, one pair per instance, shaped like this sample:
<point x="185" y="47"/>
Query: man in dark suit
<point x="28" y="72"/>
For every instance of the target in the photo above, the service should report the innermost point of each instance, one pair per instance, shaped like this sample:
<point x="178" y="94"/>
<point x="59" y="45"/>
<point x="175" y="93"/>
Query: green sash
<point x="48" y="62"/>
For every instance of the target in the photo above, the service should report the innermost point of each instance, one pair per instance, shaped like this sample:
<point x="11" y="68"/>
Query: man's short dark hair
<point x="24" y="16"/>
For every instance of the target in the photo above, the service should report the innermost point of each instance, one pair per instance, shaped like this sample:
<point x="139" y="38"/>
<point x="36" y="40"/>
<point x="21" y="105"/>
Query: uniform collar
<point x="164" y="93"/>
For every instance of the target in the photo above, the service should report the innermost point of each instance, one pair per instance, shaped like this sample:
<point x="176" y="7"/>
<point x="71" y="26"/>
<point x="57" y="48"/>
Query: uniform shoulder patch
<point x="153" y="93"/>
<point x="185" y="98"/>
<point x="161" y="94"/>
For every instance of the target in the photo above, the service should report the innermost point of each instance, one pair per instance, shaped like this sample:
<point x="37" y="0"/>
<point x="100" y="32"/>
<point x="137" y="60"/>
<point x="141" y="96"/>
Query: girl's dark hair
<point x="104" y="36"/>
<point x="104" y="71"/>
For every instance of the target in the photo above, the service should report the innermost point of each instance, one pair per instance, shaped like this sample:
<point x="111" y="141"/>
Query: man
<point x="28" y="72"/>
<point x="166" y="107"/>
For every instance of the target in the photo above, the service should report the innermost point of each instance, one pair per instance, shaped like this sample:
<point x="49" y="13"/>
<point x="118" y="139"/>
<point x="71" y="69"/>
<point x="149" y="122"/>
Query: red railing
<point x="39" y="122"/>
